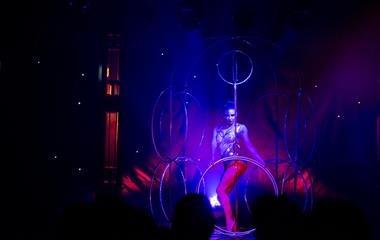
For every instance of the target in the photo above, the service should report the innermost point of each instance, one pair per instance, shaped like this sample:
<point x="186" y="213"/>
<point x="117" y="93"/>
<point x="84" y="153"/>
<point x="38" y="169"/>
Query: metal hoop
<point x="152" y="128"/>
<point x="268" y="161"/>
<point x="308" y="191"/>
<point x="161" y="183"/>
<point x="237" y="82"/>
<point x="248" y="160"/>
<point x="162" y="207"/>
<point x="168" y="159"/>
<point x="151" y="187"/>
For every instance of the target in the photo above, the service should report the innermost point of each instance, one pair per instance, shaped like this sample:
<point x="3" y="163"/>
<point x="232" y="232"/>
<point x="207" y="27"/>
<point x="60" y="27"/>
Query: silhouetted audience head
<point x="193" y="218"/>
<point x="337" y="219"/>
<point x="276" y="218"/>
<point x="164" y="233"/>
<point x="106" y="218"/>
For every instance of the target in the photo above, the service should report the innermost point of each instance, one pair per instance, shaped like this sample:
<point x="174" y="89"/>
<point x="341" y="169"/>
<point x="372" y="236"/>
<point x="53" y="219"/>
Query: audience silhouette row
<point x="274" y="218"/>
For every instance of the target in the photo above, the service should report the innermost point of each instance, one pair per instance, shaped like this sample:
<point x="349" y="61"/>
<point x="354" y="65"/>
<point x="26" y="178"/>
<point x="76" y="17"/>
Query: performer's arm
<point x="249" y="145"/>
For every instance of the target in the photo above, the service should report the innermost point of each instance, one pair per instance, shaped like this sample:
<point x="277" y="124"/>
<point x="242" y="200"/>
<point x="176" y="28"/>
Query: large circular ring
<point x="244" y="159"/>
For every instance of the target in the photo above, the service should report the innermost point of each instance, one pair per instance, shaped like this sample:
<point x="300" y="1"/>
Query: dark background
<point x="45" y="48"/>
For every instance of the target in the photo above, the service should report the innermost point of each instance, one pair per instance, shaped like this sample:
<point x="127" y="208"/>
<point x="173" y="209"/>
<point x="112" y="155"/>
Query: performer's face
<point x="229" y="116"/>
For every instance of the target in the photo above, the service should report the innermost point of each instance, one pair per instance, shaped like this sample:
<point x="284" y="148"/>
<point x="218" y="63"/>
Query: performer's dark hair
<point x="229" y="105"/>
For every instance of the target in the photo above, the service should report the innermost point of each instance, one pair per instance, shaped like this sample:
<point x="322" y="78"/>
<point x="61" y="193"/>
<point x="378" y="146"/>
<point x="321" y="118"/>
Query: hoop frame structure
<point x="244" y="159"/>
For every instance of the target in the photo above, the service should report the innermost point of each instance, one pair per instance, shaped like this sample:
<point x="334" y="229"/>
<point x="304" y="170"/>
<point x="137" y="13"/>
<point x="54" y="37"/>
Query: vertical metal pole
<point x="235" y="78"/>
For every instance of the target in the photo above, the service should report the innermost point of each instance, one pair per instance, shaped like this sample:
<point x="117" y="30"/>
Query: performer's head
<point x="229" y="112"/>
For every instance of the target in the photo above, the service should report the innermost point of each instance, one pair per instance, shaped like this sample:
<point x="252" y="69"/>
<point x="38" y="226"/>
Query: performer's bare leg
<point x="230" y="177"/>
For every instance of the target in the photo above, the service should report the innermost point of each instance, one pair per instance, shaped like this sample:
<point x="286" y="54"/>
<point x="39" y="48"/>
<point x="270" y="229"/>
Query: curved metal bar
<point x="285" y="131"/>
<point x="297" y="174"/>
<point x="183" y="180"/>
<point x="200" y="171"/>
<point x="169" y="159"/>
<point x="234" y="234"/>
<point x="284" y="176"/>
<point x="246" y="186"/>
<point x="152" y="128"/>
<point x="199" y="105"/>
<point x="160" y="193"/>
<point x="248" y="160"/>
<point x="245" y="196"/>
<point x="235" y="81"/>
<point x="151" y="188"/>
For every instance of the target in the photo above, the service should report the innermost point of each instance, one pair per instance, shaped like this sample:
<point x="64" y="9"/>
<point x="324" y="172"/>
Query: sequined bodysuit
<point x="225" y="139"/>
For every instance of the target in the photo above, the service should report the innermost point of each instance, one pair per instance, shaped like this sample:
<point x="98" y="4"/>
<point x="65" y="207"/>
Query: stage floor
<point x="217" y="236"/>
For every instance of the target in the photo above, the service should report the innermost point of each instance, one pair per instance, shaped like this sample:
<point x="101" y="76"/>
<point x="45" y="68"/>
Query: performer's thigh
<point x="231" y="175"/>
